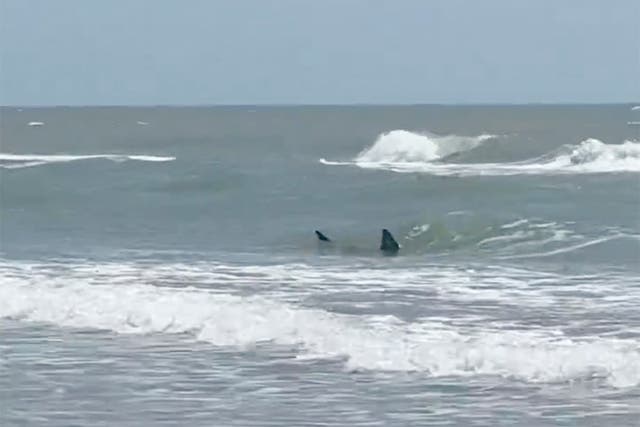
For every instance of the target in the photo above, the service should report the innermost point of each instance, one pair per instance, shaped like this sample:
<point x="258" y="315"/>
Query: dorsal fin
<point x="322" y="237"/>
<point x="388" y="244"/>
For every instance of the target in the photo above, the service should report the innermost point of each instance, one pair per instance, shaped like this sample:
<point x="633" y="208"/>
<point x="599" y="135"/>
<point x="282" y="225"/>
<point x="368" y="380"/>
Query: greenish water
<point x="160" y="265"/>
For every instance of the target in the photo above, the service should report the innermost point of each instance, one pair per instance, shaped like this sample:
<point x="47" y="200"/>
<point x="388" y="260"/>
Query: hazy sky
<point x="68" y="52"/>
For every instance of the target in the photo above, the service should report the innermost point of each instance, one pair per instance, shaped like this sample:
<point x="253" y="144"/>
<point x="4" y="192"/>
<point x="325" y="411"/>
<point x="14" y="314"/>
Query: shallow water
<point x="159" y="265"/>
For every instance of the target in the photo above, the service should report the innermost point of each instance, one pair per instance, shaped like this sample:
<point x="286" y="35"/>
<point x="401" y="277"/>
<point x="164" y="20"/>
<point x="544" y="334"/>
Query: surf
<point x="20" y="161"/>
<point x="119" y="298"/>
<point x="404" y="154"/>
<point x="402" y="146"/>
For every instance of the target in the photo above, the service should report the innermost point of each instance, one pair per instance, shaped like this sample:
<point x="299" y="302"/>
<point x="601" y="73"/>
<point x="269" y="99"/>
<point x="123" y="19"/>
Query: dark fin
<point x="388" y="243"/>
<point x="322" y="237"/>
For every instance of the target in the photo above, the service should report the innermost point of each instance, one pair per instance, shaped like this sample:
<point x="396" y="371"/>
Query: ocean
<point x="158" y="266"/>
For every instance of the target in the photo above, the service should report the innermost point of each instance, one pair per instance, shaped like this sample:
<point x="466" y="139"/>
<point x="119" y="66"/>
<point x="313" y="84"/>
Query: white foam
<point x="518" y="235"/>
<point x="515" y="223"/>
<point x="366" y="342"/>
<point x="418" y="230"/>
<point x="565" y="249"/>
<point x="36" y="124"/>
<point x="458" y="213"/>
<point x="151" y="158"/>
<point x="590" y="156"/>
<point x="18" y="161"/>
<point x="122" y="298"/>
<point x="404" y="146"/>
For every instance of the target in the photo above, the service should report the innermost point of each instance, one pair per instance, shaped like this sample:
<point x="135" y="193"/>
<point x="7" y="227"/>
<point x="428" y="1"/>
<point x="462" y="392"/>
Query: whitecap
<point x="19" y="161"/>
<point x="588" y="157"/>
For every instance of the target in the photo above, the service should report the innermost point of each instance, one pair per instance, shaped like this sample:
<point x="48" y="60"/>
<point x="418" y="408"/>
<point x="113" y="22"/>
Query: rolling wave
<point x="122" y="299"/>
<point x="401" y="146"/>
<point x="19" y="161"/>
<point x="519" y="238"/>
<point x="411" y="153"/>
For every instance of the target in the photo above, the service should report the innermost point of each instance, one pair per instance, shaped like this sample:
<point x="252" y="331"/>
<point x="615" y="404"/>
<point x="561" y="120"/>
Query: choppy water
<point x="158" y="266"/>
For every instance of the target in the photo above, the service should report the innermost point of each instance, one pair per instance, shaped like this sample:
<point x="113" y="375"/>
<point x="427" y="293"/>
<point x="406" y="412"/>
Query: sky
<point x="214" y="52"/>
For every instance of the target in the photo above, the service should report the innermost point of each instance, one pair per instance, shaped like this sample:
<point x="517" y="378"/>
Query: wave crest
<point x="420" y="155"/>
<point x="82" y="298"/>
<point x="375" y="343"/>
<point x="19" y="161"/>
<point x="404" y="146"/>
<point x="595" y="152"/>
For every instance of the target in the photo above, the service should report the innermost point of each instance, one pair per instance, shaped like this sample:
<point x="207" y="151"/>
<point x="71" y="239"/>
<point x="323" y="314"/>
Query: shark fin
<point x="388" y="244"/>
<point x="322" y="237"/>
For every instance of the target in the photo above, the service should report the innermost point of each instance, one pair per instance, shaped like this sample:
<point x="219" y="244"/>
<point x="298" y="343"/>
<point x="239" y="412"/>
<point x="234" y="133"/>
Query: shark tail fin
<point x="388" y="244"/>
<point x="322" y="237"/>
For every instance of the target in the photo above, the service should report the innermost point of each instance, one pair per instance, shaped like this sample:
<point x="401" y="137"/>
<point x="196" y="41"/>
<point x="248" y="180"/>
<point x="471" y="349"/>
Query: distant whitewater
<point x="404" y="151"/>
<point x="401" y="146"/>
<point x="19" y="161"/>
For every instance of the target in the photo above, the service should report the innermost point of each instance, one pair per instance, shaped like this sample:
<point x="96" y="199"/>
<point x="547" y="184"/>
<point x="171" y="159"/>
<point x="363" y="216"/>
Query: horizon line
<point x="289" y="105"/>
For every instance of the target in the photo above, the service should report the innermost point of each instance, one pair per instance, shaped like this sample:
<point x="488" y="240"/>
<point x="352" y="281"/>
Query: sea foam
<point x="19" y="161"/>
<point x="120" y="301"/>
<point x="403" y="151"/>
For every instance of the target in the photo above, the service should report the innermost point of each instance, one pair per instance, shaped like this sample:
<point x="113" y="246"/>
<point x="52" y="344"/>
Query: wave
<point x="518" y="236"/>
<point x="115" y="300"/>
<point x="404" y="146"/>
<point x="369" y="343"/>
<point x="19" y="161"/>
<point x="571" y="248"/>
<point x="589" y="156"/>
<point x="515" y="239"/>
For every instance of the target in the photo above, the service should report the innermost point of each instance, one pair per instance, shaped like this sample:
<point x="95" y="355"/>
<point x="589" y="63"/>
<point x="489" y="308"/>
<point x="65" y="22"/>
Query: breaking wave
<point x="124" y="302"/>
<point x="400" y="154"/>
<point x="19" y="161"/>
<point x="404" y="146"/>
